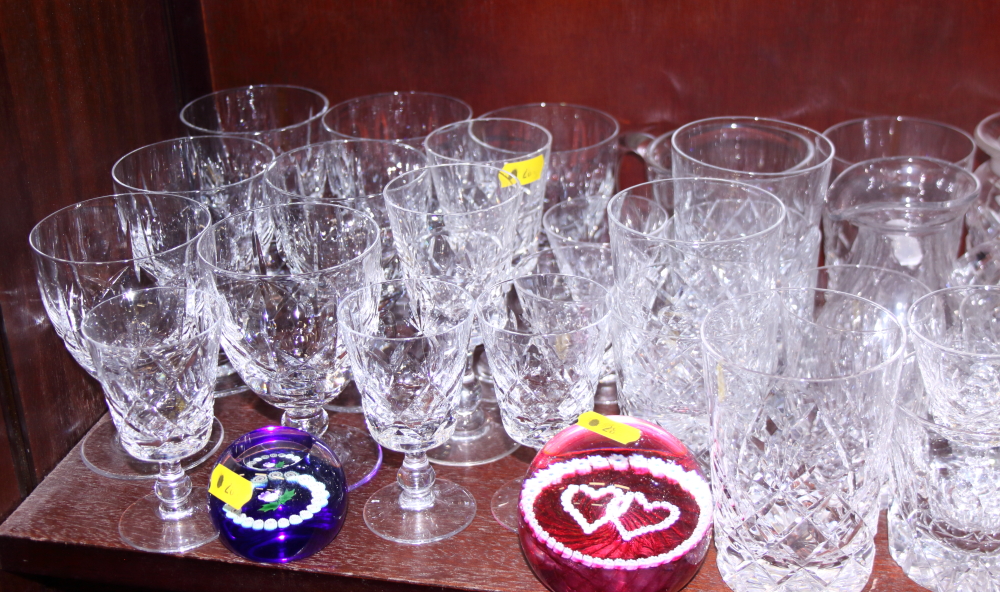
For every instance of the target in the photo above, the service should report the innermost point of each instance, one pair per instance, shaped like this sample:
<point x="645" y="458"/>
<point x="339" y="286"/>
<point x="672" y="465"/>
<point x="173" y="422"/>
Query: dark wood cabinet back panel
<point x="811" y="61"/>
<point x="85" y="83"/>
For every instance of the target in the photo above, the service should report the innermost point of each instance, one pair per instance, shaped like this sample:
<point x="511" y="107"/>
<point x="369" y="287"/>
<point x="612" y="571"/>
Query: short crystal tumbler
<point x="800" y="436"/>
<point x="944" y="523"/>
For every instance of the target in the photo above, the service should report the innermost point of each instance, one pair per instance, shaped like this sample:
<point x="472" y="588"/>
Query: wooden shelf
<point x="68" y="528"/>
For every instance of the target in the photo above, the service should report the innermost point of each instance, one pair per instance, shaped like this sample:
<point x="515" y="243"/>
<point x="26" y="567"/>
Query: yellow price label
<point x="619" y="432"/>
<point x="526" y="171"/>
<point x="229" y="487"/>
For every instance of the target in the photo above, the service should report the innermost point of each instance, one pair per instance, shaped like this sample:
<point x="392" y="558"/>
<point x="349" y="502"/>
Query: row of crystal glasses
<point x="742" y="214"/>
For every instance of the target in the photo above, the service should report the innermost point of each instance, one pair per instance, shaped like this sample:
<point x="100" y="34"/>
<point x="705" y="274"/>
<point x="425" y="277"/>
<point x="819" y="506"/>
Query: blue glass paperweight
<point x="285" y="495"/>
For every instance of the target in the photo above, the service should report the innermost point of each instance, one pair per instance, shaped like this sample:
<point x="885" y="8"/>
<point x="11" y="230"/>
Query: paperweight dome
<point x="297" y="495"/>
<point x="599" y="515"/>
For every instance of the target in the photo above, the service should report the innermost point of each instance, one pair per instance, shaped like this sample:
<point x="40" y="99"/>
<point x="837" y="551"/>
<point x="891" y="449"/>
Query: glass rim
<point x="497" y="113"/>
<point x="429" y="169"/>
<point x="215" y="269"/>
<point x="988" y="143"/>
<point x="775" y="124"/>
<point x="344" y="323"/>
<point x="514" y="154"/>
<point x="653" y="145"/>
<point x="760" y="193"/>
<point x="906" y="407"/>
<point x="896" y="355"/>
<point x="456" y="101"/>
<point x="923" y="337"/>
<point x="288" y="156"/>
<point x="97" y="202"/>
<point x="960" y="171"/>
<point x="213" y="95"/>
<point x="900" y="118"/>
<point x="207" y="297"/>
<point x="195" y="140"/>
<point x="484" y="296"/>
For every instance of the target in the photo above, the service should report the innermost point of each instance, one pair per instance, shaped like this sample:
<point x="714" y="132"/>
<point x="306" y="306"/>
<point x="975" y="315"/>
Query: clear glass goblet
<point x="280" y="272"/>
<point x="350" y="173"/>
<point x="102" y="247"/>
<point x="405" y="117"/>
<point x="154" y="351"/>
<point x="519" y="147"/>
<point x="546" y="335"/>
<point x="457" y="222"/>
<point x="282" y="117"/>
<point x="406" y="340"/>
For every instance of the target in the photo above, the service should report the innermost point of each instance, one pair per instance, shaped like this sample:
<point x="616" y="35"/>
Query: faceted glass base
<point x="744" y="571"/>
<point x="939" y="566"/>
<point x="504" y="504"/>
<point x="453" y="510"/>
<point x="103" y="454"/>
<point x="142" y="527"/>
<point x="359" y="455"/>
<point x="488" y="444"/>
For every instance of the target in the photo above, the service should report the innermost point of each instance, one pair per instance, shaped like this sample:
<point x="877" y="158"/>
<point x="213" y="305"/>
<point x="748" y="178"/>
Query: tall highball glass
<point x="457" y="222"/>
<point x="280" y="272"/>
<point x="791" y="161"/>
<point x="407" y="342"/>
<point x="154" y="351"/>
<point x="890" y="135"/>
<point x="102" y="247"/>
<point x="281" y="116"/>
<point x="546" y="335"/>
<point x="725" y="242"/>
<point x="802" y="412"/>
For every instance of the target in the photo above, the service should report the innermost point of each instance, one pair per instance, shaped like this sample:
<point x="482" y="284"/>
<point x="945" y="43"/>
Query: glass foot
<point x="142" y="527"/>
<point x="453" y="510"/>
<point x="489" y="443"/>
<point x="359" y="455"/>
<point x="103" y="454"/>
<point x="348" y="401"/>
<point x="504" y="504"/>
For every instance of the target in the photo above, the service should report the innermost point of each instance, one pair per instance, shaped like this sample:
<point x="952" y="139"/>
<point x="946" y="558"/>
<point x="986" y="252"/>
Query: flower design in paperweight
<point x="633" y="513"/>
<point x="277" y="494"/>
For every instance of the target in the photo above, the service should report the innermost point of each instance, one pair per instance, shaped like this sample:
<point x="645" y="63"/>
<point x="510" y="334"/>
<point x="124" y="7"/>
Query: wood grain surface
<point x="814" y="62"/>
<point x="82" y="84"/>
<point x="67" y="528"/>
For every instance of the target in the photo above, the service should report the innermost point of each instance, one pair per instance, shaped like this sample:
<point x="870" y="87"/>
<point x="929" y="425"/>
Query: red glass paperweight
<point x="598" y="515"/>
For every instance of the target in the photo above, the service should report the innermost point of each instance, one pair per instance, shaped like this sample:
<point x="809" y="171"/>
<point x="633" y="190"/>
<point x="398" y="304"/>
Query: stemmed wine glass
<point x="280" y="272"/>
<point x="350" y="173"/>
<point x="407" y="340"/>
<point x="546" y="335"/>
<point x="281" y="116"/>
<point x="154" y="351"/>
<point x="457" y="222"/>
<point x="102" y="247"/>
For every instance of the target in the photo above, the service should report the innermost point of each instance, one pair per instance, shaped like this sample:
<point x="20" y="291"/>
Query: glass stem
<point x="416" y="477"/>
<point x="314" y="421"/>
<point x="471" y="418"/>
<point x="173" y="488"/>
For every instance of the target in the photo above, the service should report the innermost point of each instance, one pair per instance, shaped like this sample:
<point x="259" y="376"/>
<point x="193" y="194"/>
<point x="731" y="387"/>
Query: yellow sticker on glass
<point x="619" y="432"/>
<point x="229" y="487"/>
<point x="526" y="171"/>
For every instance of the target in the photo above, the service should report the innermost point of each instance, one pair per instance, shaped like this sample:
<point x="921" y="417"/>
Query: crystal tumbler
<point x="405" y="117"/>
<point x="800" y="435"/>
<point x="983" y="219"/>
<point x="944" y="523"/>
<point x="901" y="213"/>
<point x="724" y="243"/>
<point x="791" y="161"/>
